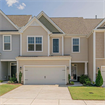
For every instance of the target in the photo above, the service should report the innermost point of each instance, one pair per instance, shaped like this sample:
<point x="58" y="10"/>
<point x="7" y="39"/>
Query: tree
<point x="99" y="79"/>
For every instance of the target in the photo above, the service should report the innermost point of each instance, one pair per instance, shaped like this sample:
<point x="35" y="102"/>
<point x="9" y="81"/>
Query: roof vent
<point x="95" y="16"/>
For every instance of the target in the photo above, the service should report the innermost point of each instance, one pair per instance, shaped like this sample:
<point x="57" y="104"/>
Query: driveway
<point x="42" y="95"/>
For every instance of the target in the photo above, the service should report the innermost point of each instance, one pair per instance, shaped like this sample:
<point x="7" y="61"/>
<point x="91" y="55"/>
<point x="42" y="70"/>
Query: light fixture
<point x="20" y="68"/>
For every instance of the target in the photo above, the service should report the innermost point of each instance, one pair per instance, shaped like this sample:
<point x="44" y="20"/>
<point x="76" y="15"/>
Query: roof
<point x="70" y="25"/>
<point x="19" y="20"/>
<point x="76" y="25"/>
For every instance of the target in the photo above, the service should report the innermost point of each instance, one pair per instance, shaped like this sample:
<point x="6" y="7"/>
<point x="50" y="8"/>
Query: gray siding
<point x="15" y="48"/>
<point x="0" y="71"/>
<point x="5" y="24"/>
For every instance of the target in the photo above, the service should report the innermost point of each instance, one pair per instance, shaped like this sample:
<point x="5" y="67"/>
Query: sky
<point x="55" y="8"/>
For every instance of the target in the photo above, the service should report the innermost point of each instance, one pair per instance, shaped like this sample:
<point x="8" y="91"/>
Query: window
<point x="7" y="42"/>
<point x="34" y="43"/>
<point x="55" y="45"/>
<point x="76" y="44"/>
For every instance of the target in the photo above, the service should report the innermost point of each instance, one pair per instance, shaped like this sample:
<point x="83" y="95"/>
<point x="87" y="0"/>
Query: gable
<point x="5" y="24"/>
<point x="102" y="26"/>
<point x="47" y="24"/>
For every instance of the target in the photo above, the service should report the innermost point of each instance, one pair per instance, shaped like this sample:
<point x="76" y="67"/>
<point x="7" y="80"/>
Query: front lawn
<point x="87" y="93"/>
<point x="6" y="88"/>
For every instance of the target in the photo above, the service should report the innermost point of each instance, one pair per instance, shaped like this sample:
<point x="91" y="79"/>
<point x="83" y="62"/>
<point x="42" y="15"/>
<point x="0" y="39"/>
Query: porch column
<point x="85" y="68"/>
<point x="17" y="72"/>
<point x="48" y="45"/>
<point x="70" y="67"/>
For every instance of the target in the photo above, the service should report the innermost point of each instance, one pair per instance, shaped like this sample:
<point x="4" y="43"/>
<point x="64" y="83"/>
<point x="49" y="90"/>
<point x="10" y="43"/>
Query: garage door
<point x="103" y="74"/>
<point x="44" y="75"/>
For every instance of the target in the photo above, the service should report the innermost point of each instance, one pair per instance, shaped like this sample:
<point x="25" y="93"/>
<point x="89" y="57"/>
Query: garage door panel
<point x="45" y="75"/>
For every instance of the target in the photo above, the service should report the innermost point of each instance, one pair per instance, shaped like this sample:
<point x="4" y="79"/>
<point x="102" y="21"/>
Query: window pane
<point x="30" y="47"/>
<point x="7" y="46"/>
<point x="75" y="48"/>
<point x="30" y="39"/>
<point x="38" y="47"/>
<point x="75" y="41"/>
<point x="38" y="40"/>
<point x="55" y="45"/>
<point x="6" y="39"/>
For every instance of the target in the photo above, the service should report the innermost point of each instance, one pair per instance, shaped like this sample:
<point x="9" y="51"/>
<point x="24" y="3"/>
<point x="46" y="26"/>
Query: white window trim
<point x="72" y="44"/>
<point x="34" y="43"/>
<point x="52" y="45"/>
<point x="10" y="43"/>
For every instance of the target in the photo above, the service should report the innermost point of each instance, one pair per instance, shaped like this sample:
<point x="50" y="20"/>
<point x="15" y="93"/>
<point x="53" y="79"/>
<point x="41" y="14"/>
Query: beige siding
<point x="90" y="53"/>
<point x="5" y="24"/>
<point x="21" y="63"/>
<point x="83" y="55"/>
<point x="99" y="63"/>
<point x="35" y="31"/>
<point x="60" y="46"/>
<point x="100" y="45"/>
<point x="80" y="69"/>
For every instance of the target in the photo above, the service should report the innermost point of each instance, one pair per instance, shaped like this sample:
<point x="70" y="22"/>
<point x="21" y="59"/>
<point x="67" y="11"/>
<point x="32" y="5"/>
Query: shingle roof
<point x="70" y="25"/>
<point x="76" y="25"/>
<point x="19" y="20"/>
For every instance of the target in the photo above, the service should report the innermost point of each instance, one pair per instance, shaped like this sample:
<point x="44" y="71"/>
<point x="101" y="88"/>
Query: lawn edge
<point x="10" y="90"/>
<point x="84" y="99"/>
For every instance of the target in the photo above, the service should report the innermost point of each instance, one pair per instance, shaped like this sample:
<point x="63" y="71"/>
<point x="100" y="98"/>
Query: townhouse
<point x="47" y="49"/>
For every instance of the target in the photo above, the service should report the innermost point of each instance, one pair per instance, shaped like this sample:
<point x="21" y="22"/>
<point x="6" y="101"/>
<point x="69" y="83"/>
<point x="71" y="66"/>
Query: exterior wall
<point x="51" y="46"/>
<point x="83" y="55"/>
<point x="5" y="24"/>
<point x="90" y="53"/>
<point x="21" y="63"/>
<point x="100" y="45"/>
<point x="15" y="48"/>
<point x="99" y="63"/>
<point x="80" y="69"/>
<point x="0" y="71"/>
<point x="35" y="31"/>
<point x="4" y="70"/>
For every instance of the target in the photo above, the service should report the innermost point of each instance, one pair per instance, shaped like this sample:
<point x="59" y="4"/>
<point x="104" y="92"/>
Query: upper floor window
<point x="7" y="43"/>
<point x="76" y="45"/>
<point x="34" y="43"/>
<point x="55" y="45"/>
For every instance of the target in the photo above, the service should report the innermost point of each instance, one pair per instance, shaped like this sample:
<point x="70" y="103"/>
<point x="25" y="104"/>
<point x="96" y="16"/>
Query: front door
<point x="13" y="71"/>
<point x="74" y="72"/>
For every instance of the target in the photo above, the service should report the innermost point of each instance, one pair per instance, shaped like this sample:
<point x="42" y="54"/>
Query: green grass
<point x="87" y="93"/>
<point x="6" y="88"/>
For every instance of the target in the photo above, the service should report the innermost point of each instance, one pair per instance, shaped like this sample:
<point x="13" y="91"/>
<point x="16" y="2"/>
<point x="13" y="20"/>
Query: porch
<point x="8" y="69"/>
<point x="77" y="69"/>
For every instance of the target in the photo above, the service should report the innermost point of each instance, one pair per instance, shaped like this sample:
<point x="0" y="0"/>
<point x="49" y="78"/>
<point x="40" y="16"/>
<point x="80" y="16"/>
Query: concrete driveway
<point x="42" y="95"/>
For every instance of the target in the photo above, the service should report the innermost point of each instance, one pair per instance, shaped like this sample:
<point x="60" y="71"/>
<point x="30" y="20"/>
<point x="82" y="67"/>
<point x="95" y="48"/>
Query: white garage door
<point x="103" y="74"/>
<point x="44" y="75"/>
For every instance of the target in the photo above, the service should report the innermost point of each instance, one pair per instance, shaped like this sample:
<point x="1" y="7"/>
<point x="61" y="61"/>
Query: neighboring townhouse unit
<point x="47" y="49"/>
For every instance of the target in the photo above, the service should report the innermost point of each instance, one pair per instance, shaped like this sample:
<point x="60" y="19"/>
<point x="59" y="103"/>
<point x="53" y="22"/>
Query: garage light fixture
<point x="20" y="68"/>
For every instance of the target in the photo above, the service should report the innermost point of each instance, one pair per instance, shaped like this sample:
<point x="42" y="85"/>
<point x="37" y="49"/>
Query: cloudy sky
<point x="55" y="8"/>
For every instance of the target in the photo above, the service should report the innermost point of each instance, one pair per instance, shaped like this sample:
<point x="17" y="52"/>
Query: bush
<point x="20" y="76"/>
<point x="10" y="82"/>
<point x="99" y="79"/>
<point x="72" y="83"/>
<point x="13" y="79"/>
<point x="88" y="83"/>
<point x="1" y="81"/>
<point x="84" y="78"/>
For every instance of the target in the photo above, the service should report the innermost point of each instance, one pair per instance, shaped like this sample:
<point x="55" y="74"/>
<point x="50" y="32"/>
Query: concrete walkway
<point x="42" y="95"/>
<point x="4" y="82"/>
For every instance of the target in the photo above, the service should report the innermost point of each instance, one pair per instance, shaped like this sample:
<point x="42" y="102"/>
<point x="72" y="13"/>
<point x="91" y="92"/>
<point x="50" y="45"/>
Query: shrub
<point x="72" y="83"/>
<point x="69" y="78"/>
<point x="99" y="79"/>
<point x="10" y="82"/>
<point x="13" y="79"/>
<point x="20" y="76"/>
<point x="84" y="78"/>
<point x="88" y="82"/>
<point x="1" y="81"/>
